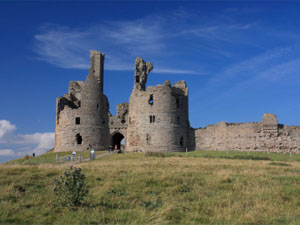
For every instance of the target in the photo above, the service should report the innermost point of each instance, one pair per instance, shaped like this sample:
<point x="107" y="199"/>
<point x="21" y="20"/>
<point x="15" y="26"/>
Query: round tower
<point x="94" y="116"/>
<point x="158" y="118"/>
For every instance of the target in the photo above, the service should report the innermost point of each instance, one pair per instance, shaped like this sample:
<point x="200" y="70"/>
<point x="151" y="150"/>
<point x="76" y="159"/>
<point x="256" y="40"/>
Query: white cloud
<point x="6" y="152"/>
<point x="122" y="41"/>
<point x="260" y="66"/>
<point x="285" y="70"/>
<point x="44" y="141"/>
<point x="22" y="144"/>
<point x="5" y="128"/>
<point x="175" y="71"/>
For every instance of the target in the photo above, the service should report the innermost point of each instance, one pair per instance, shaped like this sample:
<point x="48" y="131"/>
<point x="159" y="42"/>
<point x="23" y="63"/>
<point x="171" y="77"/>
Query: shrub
<point x="70" y="188"/>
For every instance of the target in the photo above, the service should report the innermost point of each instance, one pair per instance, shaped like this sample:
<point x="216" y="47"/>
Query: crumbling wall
<point x="266" y="135"/>
<point x="82" y="114"/>
<point x="67" y="129"/>
<point x="119" y="122"/>
<point x="158" y="116"/>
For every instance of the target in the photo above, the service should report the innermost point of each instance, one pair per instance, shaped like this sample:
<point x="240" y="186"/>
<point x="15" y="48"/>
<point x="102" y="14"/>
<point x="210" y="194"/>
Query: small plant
<point x="70" y="188"/>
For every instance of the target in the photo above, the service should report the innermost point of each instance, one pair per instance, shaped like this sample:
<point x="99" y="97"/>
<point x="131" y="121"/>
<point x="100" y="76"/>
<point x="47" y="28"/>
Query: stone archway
<point x="116" y="140"/>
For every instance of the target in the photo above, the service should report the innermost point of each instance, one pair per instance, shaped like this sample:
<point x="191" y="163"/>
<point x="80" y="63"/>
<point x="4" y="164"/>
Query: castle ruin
<point x="155" y="119"/>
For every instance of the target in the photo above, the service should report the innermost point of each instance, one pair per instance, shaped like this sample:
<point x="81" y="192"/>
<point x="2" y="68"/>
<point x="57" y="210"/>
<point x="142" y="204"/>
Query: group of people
<point x="110" y="149"/>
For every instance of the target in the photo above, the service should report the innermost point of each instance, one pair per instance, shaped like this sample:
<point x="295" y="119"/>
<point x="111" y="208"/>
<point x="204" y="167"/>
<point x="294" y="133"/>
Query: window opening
<point x="151" y="101"/>
<point x="77" y="120"/>
<point x="178" y="120"/>
<point x="177" y="103"/>
<point x="181" y="141"/>
<point x="137" y="79"/>
<point x="78" y="139"/>
<point x="152" y="118"/>
<point x="103" y="122"/>
<point x="98" y="107"/>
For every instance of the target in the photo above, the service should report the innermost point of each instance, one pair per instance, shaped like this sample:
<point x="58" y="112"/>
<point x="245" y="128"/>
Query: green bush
<point x="70" y="188"/>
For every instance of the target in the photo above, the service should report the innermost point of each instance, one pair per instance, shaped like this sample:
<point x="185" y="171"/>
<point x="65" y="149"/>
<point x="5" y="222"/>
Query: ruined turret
<point x="82" y="114"/>
<point x="158" y="116"/>
<point x="142" y="69"/>
<point x="270" y="124"/>
<point x="97" y="67"/>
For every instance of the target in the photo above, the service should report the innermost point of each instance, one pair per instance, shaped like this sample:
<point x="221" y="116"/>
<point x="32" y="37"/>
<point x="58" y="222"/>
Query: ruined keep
<point x="155" y="119"/>
<point x="82" y="115"/>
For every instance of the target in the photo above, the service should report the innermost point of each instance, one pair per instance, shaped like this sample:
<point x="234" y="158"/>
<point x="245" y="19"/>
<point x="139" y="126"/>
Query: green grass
<point x="50" y="156"/>
<point x="241" y="155"/>
<point x="138" y="189"/>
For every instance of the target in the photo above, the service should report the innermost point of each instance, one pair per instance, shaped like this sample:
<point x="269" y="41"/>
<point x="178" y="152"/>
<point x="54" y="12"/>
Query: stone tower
<point x="158" y="116"/>
<point x="82" y="114"/>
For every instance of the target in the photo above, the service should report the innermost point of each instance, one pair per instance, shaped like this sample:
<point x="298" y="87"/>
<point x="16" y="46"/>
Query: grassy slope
<point x="134" y="189"/>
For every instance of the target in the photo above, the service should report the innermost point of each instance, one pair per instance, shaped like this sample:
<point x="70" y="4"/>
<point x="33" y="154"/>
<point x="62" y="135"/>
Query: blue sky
<point x="240" y="59"/>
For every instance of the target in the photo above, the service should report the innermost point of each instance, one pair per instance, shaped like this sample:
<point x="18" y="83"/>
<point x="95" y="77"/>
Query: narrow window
<point x="152" y="118"/>
<point x="78" y="139"/>
<point x="147" y="138"/>
<point x="178" y="120"/>
<point x="151" y="101"/>
<point x="177" y="102"/>
<point x="77" y="120"/>
<point x="98" y="107"/>
<point x="103" y="122"/>
<point x="137" y="79"/>
<point x="181" y="141"/>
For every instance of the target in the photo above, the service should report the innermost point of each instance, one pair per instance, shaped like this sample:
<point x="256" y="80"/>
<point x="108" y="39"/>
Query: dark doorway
<point x="78" y="139"/>
<point x="116" y="140"/>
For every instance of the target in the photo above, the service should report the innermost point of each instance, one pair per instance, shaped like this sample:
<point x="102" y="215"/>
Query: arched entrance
<point x="117" y="139"/>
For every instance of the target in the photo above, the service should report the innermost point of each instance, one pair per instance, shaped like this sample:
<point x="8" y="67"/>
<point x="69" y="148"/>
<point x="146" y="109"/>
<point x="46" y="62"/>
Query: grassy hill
<point x="138" y="189"/>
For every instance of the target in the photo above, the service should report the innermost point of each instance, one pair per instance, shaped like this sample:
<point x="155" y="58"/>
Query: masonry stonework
<point x="155" y="119"/>
<point x="82" y="114"/>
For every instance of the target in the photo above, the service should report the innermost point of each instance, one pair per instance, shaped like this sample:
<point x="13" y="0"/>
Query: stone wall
<point x="118" y="125"/>
<point x="158" y="116"/>
<point x="82" y="114"/>
<point x="266" y="135"/>
<point x="66" y="128"/>
<point x="156" y="119"/>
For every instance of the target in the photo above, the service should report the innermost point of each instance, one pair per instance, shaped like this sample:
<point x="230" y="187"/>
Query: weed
<point x="70" y="188"/>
